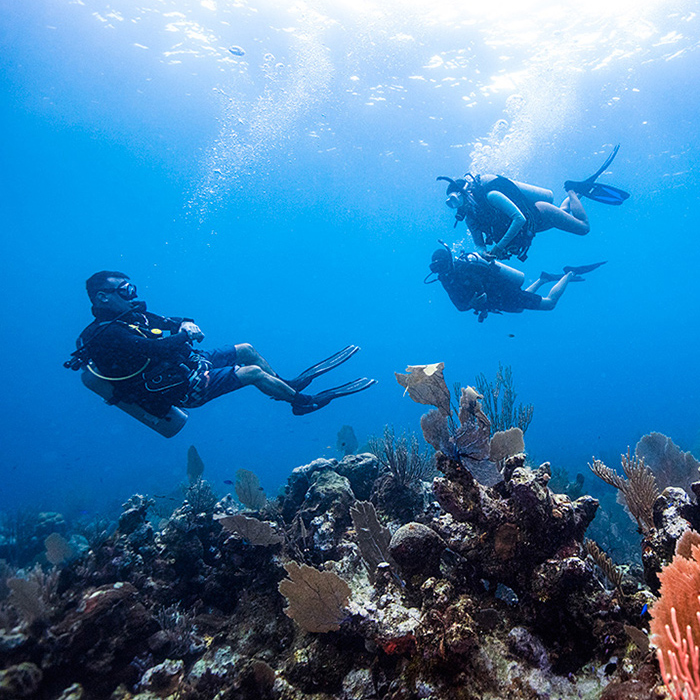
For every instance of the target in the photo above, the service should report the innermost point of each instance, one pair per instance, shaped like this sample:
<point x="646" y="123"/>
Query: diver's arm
<point x="517" y="219"/>
<point x="167" y="323"/>
<point x="175" y="324"/>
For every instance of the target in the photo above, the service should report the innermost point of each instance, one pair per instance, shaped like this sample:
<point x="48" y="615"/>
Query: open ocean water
<point x="268" y="168"/>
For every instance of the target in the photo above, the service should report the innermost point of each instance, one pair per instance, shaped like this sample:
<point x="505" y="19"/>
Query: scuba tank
<point x="497" y="270"/>
<point x="167" y="426"/>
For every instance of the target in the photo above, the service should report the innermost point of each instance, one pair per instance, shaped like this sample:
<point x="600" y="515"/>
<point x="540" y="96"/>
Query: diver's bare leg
<point x="550" y="301"/>
<point x="536" y="285"/>
<point x="571" y="217"/>
<point x="267" y="383"/>
<point x="246" y="354"/>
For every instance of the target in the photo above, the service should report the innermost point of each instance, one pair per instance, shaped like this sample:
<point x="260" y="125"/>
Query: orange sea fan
<point x="675" y="623"/>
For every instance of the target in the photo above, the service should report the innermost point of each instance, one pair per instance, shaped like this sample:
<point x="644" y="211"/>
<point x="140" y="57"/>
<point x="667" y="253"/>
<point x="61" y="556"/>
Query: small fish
<point x="511" y="335"/>
<point x="228" y="481"/>
<point x="644" y="610"/>
<point x="237" y="51"/>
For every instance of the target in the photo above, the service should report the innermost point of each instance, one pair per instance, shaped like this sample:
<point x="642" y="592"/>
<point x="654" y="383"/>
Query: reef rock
<point x="417" y="550"/>
<point x="80" y="638"/>
<point x="20" y="681"/>
<point x="164" y="678"/>
<point x="673" y="515"/>
<point x="361" y="471"/>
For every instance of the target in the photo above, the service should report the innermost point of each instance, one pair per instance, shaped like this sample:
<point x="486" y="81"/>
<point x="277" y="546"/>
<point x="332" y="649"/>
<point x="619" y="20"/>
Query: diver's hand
<point x="193" y="331"/>
<point x="497" y="253"/>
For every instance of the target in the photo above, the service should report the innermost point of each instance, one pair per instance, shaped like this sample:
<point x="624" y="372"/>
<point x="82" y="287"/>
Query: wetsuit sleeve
<point x="120" y="340"/>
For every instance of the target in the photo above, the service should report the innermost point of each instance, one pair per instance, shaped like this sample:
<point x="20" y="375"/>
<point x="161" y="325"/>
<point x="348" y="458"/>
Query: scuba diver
<point x="507" y="214"/>
<point x="488" y="286"/>
<point x="149" y="360"/>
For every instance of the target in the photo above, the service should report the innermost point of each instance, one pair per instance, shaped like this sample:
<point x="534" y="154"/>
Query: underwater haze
<point x="269" y="169"/>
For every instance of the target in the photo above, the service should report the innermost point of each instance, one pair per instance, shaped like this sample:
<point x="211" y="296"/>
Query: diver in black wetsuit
<point x="507" y="214"/>
<point x="474" y="283"/>
<point x="128" y="346"/>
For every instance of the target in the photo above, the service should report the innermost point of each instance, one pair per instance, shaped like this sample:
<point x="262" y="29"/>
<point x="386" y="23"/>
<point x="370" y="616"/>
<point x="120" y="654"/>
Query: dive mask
<point x="126" y="291"/>
<point x="454" y="200"/>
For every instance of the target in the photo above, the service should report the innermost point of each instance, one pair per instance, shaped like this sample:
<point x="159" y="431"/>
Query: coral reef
<point x="485" y="587"/>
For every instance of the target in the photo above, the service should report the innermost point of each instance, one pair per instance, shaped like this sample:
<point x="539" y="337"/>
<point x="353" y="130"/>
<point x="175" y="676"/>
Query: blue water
<point x="287" y="198"/>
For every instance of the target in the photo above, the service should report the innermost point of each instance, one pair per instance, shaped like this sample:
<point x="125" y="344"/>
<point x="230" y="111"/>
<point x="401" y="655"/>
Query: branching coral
<point x="401" y="457"/>
<point x="604" y="563"/>
<point x="639" y="489"/>
<point x="675" y="625"/>
<point x="499" y="401"/>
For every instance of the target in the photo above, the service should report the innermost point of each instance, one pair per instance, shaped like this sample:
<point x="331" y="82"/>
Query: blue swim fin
<point x="605" y="194"/>
<point x="308" y="375"/>
<point x="304" y="403"/>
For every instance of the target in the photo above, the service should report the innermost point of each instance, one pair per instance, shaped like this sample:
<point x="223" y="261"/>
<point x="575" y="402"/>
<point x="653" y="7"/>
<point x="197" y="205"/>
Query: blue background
<point x="287" y="198"/>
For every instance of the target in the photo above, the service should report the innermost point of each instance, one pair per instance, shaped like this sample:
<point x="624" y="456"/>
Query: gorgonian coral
<point x="675" y="620"/>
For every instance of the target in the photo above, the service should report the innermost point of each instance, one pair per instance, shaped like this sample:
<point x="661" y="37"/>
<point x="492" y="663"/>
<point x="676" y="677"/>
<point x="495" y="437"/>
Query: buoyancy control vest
<point x="155" y="383"/>
<point x="493" y="223"/>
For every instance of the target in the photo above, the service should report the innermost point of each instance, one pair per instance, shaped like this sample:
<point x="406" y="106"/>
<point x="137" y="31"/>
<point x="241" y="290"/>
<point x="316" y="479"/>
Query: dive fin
<point x="604" y="167"/>
<point x="583" y="269"/>
<point x="605" y="194"/>
<point x="308" y="375"/>
<point x="304" y="404"/>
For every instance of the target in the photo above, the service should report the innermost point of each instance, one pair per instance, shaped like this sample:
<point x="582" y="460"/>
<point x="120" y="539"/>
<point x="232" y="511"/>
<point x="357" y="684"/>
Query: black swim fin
<point x="605" y="194"/>
<point x="304" y="404"/>
<point x="308" y="375"/>
<point x="582" y="270"/>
